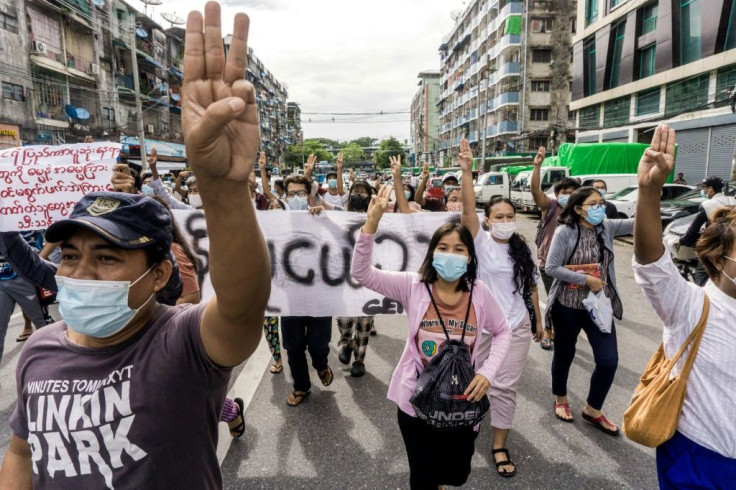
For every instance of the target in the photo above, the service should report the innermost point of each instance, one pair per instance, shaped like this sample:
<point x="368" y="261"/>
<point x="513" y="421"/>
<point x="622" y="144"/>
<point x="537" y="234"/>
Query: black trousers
<point x="436" y="457"/>
<point x="302" y="333"/>
<point x="568" y="323"/>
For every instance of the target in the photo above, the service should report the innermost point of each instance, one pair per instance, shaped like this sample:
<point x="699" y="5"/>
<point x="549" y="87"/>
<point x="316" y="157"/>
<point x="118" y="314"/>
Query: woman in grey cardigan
<point x="580" y="260"/>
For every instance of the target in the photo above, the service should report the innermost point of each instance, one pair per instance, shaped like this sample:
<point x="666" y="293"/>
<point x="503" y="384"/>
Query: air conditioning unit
<point x="94" y="69"/>
<point x="39" y="47"/>
<point x="149" y="128"/>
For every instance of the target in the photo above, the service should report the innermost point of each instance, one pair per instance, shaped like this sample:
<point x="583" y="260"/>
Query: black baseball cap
<point x="126" y="220"/>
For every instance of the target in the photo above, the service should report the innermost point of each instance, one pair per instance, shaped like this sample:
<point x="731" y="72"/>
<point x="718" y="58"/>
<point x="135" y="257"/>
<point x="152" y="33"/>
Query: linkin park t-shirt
<point x="142" y="414"/>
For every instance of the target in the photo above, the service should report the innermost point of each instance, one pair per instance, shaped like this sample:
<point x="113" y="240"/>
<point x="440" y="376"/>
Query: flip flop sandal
<point x="546" y="344"/>
<point x="276" y="368"/>
<point x="374" y="332"/>
<point x="598" y="422"/>
<point x="23" y="337"/>
<point x="566" y="406"/>
<point x="326" y="376"/>
<point x="296" y="397"/>
<point x="238" y="431"/>
<point x="507" y="462"/>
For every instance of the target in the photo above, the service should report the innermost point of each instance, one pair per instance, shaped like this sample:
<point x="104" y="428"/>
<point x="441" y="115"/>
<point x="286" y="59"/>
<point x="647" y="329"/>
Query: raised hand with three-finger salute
<point x="376" y="208"/>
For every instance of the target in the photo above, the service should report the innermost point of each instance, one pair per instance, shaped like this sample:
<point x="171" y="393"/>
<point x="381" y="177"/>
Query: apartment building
<point x="640" y="63"/>
<point x="68" y="68"/>
<point x="424" y="126"/>
<point x="505" y="76"/>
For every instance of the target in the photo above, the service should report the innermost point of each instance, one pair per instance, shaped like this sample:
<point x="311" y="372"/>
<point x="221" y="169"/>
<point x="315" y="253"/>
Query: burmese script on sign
<point x="41" y="184"/>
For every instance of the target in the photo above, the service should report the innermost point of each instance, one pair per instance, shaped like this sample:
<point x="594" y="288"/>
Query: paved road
<point x="346" y="436"/>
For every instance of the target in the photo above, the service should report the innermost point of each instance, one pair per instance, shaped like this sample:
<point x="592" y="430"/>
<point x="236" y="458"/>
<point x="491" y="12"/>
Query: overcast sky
<point x="343" y="55"/>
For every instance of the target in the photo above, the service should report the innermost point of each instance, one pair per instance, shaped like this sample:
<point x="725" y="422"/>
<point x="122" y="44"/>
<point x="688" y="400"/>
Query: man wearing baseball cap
<point x="124" y="392"/>
<point x="712" y="191"/>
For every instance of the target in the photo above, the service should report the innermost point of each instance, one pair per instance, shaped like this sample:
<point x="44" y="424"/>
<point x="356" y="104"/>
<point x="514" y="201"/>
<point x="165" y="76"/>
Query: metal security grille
<point x="692" y="153"/>
<point x="722" y="143"/>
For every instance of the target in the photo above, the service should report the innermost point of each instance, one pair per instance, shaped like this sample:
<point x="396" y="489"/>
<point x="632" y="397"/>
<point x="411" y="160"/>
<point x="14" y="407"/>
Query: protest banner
<point x="41" y="184"/>
<point x="311" y="255"/>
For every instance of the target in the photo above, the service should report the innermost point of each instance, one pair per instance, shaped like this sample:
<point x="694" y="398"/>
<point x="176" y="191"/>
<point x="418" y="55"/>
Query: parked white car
<point x="625" y="199"/>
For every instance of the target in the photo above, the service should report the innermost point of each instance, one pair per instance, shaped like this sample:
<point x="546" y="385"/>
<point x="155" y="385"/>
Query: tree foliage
<point x="316" y="146"/>
<point x="365" y="141"/>
<point x="389" y="147"/>
<point x="352" y="152"/>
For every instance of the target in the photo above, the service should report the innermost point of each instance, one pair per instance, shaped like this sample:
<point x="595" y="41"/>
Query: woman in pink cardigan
<point x="439" y="293"/>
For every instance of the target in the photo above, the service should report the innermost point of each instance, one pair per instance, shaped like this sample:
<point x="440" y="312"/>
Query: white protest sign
<point x="41" y="184"/>
<point x="310" y="258"/>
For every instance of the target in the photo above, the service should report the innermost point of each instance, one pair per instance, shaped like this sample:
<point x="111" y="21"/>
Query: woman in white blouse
<point x="702" y="453"/>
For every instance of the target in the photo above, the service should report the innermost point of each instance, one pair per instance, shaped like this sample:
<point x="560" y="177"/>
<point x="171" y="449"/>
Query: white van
<point x="549" y="177"/>
<point x="614" y="182"/>
<point x="490" y="185"/>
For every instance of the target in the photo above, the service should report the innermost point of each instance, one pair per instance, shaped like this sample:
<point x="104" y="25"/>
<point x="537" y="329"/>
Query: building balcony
<point x="473" y="137"/>
<point x="509" y="40"/>
<point x="508" y="127"/>
<point x="511" y="8"/>
<point x="124" y="81"/>
<point x="506" y="98"/>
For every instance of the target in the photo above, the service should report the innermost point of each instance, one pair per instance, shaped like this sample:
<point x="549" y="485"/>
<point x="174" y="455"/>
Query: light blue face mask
<point x="596" y="214"/>
<point x="297" y="203"/>
<point x="147" y="190"/>
<point x="332" y="183"/>
<point x="407" y="194"/>
<point x="703" y="194"/>
<point x="96" y="308"/>
<point x="450" y="267"/>
<point x="563" y="199"/>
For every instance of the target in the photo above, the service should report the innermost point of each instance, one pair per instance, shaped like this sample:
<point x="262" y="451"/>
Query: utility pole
<point x="137" y="88"/>
<point x="485" y="123"/>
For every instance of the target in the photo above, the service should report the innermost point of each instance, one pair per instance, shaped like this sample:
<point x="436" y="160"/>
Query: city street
<point x="346" y="435"/>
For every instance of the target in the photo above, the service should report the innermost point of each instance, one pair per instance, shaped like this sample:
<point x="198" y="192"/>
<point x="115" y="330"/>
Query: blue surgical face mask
<point x="450" y="267"/>
<point x="407" y="194"/>
<point x="147" y="190"/>
<point x="703" y="194"/>
<point x="332" y="183"/>
<point x="563" y="199"/>
<point x="297" y="203"/>
<point x="96" y="308"/>
<point x="596" y="214"/>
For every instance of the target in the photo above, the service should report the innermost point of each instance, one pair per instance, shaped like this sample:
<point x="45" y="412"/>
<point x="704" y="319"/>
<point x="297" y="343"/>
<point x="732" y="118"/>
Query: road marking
<point x="245" y="387"/>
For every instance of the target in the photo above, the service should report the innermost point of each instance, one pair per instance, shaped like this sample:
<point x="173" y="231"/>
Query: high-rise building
<point x="505" y="76"/>
<point x="69" y="69"/>
<point x="425" y="118"/>
<point x="640" y="63"/>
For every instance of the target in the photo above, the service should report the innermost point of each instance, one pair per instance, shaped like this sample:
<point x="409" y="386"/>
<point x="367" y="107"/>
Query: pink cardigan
<point x="407" y="288"/>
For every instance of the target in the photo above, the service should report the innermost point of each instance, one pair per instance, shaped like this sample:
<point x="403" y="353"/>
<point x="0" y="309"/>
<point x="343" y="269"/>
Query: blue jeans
<point x="684" y="464"/>
<point x="568" y="323"/>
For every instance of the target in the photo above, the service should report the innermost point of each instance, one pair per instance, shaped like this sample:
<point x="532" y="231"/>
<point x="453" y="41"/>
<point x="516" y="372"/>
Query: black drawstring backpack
<point x="438" y="398"/>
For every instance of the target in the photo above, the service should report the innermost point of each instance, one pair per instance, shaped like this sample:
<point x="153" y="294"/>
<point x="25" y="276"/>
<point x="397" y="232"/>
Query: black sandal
<point x="296" y="397"/>
<point x="239" y="430"/>
<point x="505" y="474"/>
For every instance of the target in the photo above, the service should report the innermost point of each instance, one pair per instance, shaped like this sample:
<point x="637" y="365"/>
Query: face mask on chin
<point x="96" y="308"/>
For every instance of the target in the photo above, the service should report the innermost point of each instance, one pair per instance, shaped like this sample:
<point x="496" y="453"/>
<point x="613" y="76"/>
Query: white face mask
<point x="503" y="230"/>
<point x="195" y="201"/>
<point x="732" y="279"/>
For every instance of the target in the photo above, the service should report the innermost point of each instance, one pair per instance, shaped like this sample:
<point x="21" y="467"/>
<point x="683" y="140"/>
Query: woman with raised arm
<point x="444" y="296"/>
<point x="506" y="265"/>
<point x="580" y="261"/>
<point x="702" y="453"/>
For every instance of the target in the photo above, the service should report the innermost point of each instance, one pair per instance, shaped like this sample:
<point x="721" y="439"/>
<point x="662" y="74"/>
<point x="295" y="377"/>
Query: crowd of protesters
<point x="132" y="321"/>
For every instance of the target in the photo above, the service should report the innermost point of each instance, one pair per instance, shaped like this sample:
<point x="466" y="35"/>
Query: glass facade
<point x="731" y="32"/>
<point x="591" y="11"/>
<point x="689" y="31"/>
<point x="589" y="64"/>
<point x="686" y="95"/>
<point x="647" y="102"/>
<point x="590" y="117"/>
<point x="616" y="111"/>
<point x="725" y="79"/>
<point x="649" y="19"/>
<point x="646" y="61"/>
<point x="619" y="32"/>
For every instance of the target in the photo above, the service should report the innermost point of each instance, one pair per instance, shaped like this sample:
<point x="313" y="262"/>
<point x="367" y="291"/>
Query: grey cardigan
<point x="562" y="248"/>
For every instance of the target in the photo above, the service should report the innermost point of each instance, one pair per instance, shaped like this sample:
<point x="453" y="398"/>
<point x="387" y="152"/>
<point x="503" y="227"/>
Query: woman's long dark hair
<point x="519" y="251"/>
<point x="427" y="271"/>
<point x="569" y="215"/>
<point x="363" y="185"/>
